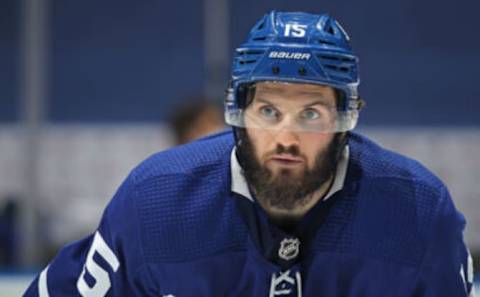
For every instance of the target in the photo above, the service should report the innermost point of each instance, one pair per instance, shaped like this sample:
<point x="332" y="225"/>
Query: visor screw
<point x="275" y="70"/>
<point x="302" y="71"/>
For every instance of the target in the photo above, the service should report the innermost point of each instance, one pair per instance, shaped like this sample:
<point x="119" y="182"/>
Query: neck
<point x="281" y="216"/>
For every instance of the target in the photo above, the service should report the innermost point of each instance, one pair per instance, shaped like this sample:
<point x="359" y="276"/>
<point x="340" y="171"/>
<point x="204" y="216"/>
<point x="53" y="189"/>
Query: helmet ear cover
<point x="245" y="95"/>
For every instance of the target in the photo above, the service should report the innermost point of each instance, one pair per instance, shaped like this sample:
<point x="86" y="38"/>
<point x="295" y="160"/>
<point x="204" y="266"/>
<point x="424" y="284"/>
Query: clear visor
<point x="318" y="118"/>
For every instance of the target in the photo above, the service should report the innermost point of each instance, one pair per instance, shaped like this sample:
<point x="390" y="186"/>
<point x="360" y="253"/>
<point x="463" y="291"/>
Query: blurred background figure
<point x="8" y="231"/>
<point x="196" y="118"/>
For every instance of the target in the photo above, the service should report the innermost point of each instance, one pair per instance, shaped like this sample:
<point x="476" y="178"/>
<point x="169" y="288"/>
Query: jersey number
<point x="102" y="279"/>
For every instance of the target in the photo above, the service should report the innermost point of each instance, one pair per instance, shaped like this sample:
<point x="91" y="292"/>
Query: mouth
<point x="286" y="160"/>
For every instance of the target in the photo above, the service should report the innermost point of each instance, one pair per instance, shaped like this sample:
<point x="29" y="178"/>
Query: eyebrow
<point x="268" y="89"/>
<point x="317" y="102"/>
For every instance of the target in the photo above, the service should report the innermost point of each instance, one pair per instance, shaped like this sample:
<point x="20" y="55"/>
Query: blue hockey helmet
<point x="296" y="47"/>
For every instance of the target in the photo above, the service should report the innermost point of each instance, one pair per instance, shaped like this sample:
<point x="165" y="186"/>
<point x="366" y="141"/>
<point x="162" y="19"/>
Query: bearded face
<point x="286" y="187"/>
<point x="285" y="148"/>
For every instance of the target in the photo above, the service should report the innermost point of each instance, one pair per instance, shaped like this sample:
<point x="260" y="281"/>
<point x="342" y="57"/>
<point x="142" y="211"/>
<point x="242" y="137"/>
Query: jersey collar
<point x="239" y="183"/>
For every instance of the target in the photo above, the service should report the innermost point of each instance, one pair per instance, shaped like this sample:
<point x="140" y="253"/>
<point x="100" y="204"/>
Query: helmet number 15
<point x="295" y="30"/>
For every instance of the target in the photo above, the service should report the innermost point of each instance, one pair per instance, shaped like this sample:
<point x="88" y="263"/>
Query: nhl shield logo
<point x="289" y="248"/>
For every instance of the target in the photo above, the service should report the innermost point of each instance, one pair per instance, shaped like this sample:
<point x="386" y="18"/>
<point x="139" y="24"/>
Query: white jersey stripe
<point x="470" y="268"/>
<point x="470" y="275"/>
<point x="42" y="284"/>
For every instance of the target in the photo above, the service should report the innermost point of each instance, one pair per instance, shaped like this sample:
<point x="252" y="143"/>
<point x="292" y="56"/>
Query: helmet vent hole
<point x="275" y="70"/>
<point x="260" y="38"/>
<point x="302" y="71"/>
<point x="250" y="52"/>
<point x="348" y="60"/>
<point x="330" y="30"/>
<point x="326" y="42"/>
<point x="261" y="26"/>
<point x="246" y="62"/>
<point x="331" y="58"/>
<point x="337" y="68"/>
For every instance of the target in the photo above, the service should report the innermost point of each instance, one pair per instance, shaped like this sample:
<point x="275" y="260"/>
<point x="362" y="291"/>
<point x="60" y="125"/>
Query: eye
<point x="269" y="112"/>
<point x="310" y="114"/>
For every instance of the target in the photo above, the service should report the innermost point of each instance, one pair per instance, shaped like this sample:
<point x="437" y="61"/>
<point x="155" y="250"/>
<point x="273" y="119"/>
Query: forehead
<point x="298" y="91"/>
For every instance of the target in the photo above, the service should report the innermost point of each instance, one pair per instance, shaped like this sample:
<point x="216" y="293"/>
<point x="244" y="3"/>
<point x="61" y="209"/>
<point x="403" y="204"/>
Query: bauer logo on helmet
<point x="289" y="55"/>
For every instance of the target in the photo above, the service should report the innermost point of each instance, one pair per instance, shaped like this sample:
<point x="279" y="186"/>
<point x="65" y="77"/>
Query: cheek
<point x="314" y="143"/>
<point x="261" y="141"/>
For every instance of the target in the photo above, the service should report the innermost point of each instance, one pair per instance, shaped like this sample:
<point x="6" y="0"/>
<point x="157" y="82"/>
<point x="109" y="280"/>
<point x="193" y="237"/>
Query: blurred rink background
<point x="89" y="88"/>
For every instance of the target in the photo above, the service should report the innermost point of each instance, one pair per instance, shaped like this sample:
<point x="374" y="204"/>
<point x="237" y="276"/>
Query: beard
<point x="287" y="190"/>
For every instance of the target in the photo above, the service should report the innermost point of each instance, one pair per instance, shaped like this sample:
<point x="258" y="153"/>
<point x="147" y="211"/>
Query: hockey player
<point x="291" y="203"/>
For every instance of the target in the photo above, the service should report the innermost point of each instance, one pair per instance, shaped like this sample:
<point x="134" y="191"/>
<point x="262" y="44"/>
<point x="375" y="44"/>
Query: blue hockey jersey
<point x="176" y="228"/>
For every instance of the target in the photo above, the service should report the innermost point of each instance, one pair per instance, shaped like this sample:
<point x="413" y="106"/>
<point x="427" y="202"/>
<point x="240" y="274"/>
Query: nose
<point x="287" y="137"/>
<point x="286" y="134"/>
